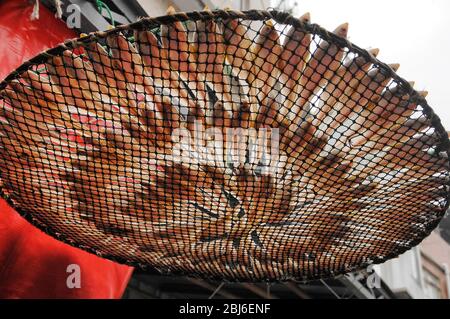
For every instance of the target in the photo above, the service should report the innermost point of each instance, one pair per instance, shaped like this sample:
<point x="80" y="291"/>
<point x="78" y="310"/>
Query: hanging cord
<point x="100" y="6"/>
<point x="35" y="12"/>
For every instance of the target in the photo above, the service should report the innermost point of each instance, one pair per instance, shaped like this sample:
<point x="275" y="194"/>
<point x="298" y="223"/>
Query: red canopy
<point x="33" y="264"/>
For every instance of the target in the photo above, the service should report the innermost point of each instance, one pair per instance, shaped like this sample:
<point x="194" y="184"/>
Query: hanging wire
<point x="216" y="290"/>
<point x="330" y="289"/>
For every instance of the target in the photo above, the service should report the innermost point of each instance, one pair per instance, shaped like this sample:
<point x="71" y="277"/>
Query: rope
<point x="35" y="12"/>
<point x="100" y="6"/>
<point x="58" y="6"/>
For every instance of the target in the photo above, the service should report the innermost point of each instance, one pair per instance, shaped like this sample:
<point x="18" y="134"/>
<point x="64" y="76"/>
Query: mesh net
<point x="240" y="146"/>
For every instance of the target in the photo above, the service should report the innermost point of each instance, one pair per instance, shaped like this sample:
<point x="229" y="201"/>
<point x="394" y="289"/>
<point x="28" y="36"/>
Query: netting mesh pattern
<point x="241" y="146"/>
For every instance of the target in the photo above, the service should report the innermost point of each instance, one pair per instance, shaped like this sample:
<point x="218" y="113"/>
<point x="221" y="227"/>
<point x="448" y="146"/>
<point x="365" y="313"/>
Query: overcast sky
<point x="414" y="33"/>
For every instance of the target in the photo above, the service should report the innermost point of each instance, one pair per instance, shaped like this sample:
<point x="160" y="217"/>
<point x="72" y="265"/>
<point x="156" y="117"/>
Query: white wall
<point x="404" y="273"/>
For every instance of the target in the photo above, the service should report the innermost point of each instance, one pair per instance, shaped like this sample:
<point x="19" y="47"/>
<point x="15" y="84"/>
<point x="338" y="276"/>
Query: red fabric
<point x="33" y="264"/>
